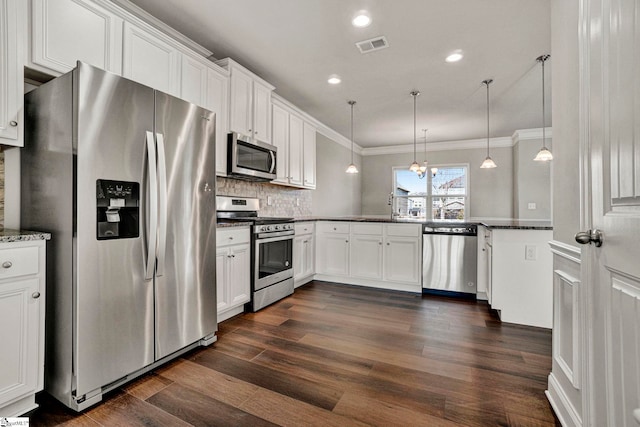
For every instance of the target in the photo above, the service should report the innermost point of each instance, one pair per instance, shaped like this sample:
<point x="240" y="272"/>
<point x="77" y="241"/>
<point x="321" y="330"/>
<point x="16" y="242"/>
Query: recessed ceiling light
<point x="454" y="56"/>
<point x="361" y="20"/>
<point x="334" y="79"/>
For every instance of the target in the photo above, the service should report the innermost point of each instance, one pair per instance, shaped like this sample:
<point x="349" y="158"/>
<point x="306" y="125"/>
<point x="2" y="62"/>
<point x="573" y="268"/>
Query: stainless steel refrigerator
<point x="123" y="176"/>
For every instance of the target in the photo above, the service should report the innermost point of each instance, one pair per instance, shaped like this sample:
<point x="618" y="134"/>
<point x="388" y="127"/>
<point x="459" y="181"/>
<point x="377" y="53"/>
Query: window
<point x="441" y="195"/>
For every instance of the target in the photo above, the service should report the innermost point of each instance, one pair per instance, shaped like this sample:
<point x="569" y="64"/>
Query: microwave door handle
<point x="273" y="161"/>
<point x="162" y="202"/>
<point x="152" y="208"/>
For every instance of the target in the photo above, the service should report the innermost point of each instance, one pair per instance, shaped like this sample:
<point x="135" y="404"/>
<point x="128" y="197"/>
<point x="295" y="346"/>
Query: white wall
<point x="490" y="190"/>
<point x="531" y="181"/>
<point x="337" y="192"/>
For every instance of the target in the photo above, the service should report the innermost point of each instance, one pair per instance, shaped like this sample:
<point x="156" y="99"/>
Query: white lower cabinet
<point x="370" y="254"/>
<point x="304" y="253"/>
<point x="22" y="304"/>
<point x="233" y="269"/>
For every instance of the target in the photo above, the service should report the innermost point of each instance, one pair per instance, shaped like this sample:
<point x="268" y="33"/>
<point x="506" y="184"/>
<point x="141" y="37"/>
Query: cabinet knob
<point x="230" y="238"/>
<point x="305" y="241"/>
<point x="35" y="295"/>
<point x="13" y="123"/>
<point x="249" y="130"/>
<point x="380" y="243"/>
<point x="388" y="244"/>
<point x="233" y="256"/>
<point x="7" y="264"/>
<point x="346" y="241"/>
<point x="334" y="229"/>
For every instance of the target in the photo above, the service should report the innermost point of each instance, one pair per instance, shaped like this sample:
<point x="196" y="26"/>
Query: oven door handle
<point x="279" y="237"/>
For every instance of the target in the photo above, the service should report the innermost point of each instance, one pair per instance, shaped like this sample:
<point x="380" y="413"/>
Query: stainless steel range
<point x="272" y="249"/>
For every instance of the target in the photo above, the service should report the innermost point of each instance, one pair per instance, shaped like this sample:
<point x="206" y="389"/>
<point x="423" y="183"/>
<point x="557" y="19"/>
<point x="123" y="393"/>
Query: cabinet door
<point x="19" y="338"/>
<point x="218" y="102"/>
<point x="222" y="278"/>
<point x="309" y="260"/>
<point x="150" y="60"/>
<point x="280" y="138"/>
<point x="261" y="112"/>
<point x="11" y="71"/>
<point x="298" y="256"/>
<point x="66" y="31"/>
<point x="309" y="156"/>
<point x="333" y="254"/>
<point x="193" y="81"/>
<point x="296" y="135"/>
<point x="402" y="259"/>
<point x="366" y="256"/>
<point x="239" y="275"/>
<point x="240" y="103"/>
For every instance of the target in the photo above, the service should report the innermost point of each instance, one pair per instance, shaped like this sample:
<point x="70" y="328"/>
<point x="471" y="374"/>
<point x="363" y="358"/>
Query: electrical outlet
<point x="530" y="253"/>
<point x="531" y="206"/>
<point x="297" y="201"/>
<point x="269" y="200"/>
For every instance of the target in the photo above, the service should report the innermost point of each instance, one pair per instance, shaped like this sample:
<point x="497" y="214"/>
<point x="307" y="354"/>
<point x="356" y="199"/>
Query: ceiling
<point x="297" y="44"/>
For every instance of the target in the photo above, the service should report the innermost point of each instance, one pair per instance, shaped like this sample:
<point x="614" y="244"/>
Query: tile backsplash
<point x="285" y="201"/>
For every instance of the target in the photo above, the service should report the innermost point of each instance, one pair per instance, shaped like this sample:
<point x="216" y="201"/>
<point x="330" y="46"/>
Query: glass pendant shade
<point x="415" y="167"/>
<point x="352" y="167"/>
<point x="544" y="155"/>
<point x="488" y="163"/>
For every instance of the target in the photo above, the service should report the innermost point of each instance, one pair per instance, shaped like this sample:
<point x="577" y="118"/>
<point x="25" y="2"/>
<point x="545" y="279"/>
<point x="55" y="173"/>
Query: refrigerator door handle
<point x="162" y="210"/>
<point x="153" y="207"/>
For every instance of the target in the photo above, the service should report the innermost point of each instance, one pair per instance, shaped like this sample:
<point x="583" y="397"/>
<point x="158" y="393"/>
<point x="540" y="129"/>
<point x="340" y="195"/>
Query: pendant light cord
<point x="352" y="102"/>
<point x="544" y="140"/>
<point x="487" y="83"/>
<point x="414" y="125"/>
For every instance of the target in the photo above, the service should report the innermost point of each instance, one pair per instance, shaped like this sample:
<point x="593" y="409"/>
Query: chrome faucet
<point x="391" y="203"/>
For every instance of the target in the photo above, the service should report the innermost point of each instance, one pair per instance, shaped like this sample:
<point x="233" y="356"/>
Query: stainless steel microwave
<point x="255" y="161"/>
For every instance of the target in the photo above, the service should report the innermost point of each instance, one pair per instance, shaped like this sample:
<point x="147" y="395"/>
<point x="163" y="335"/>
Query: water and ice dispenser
<point x="118" y="205"/>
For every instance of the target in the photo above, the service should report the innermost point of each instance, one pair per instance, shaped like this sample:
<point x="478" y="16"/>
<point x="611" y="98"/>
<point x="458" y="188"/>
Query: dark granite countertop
<point x="494" y="224"/>
<point x="7" y="235"/>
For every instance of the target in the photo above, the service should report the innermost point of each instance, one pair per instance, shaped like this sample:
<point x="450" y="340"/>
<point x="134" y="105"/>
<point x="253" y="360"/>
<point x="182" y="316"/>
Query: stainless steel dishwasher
<point x="450" y="259"/>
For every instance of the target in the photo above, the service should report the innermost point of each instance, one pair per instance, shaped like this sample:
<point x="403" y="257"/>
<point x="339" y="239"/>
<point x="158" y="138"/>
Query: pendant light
<point x="422" y="171"/>
<point x="415" y="167"/>
<point x="544" y="155"/>
<point x="352" y="167"/>
<point x="488" y="162"/>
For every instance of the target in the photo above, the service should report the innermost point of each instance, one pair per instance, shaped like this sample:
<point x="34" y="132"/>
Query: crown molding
<point x="536" y="133"/>
<point x="441" y="146"/>
<point x="154" y="22"/>
<point x="320" y="127"/>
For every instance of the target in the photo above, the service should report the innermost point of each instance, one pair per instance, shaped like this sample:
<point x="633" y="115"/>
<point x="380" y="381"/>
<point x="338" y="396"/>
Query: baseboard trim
<point x="561" y="405"/>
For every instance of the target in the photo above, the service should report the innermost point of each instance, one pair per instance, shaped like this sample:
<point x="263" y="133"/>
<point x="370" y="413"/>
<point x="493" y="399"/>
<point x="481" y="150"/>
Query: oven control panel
<point x="272" y="228"/>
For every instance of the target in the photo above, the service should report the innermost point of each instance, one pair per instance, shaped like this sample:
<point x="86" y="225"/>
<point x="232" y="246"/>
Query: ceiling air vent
<point x="370" y="45"/>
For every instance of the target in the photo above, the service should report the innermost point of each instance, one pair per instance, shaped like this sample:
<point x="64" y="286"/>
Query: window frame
<point x="429" y="197"/>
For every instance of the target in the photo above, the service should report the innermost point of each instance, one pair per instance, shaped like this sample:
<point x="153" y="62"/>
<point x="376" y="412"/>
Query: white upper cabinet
<point x="249" y="103"/>
<point x="11" y="71"/>
<point x="309" y="156"/>
<point x="280" y="138"/>
<point x="65" y="31"/>
<point x="296" y="136"/>
<point x="150" y="60"/>
<point x="193" y="80"/>
<point x="262" y="112"/>
<point x="296" y="142"/>
<point x="218" y="102"/>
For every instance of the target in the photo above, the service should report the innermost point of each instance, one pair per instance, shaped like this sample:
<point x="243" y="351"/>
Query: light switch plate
<point x="269" y="200"/>
<point x="530" y="253"/>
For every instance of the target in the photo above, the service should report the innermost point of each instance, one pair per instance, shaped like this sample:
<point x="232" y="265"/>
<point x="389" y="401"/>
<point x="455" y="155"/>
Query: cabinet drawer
<point x="232" y="236"/>
<point x="370" y="229"/>
<point x="411" y="230"/>
<point x="304" y="228"/>
<point x="333" y="227"/>
<point x="18" y="262"/>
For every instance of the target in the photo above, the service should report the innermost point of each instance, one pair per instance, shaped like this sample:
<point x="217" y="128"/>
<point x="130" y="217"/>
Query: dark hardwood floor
<point x="336" y="355"/>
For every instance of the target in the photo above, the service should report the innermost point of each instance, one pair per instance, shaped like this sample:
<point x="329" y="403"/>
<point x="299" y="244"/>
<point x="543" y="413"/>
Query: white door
<point x="402" y="259"/>
<point x="296" y="135"/>
<point x="366" y="256"/>
<point x="222" y="278"/>
<point x="333" y="254"/>
<point x="280" y="138"/>
<point x="218" y="102"/>
<point x="239" y="271"/>
<point x="610" y="138"/>
<point x="309" y="156"/>
<point x="240" y="114"/>
<point x="261" y="112"/>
